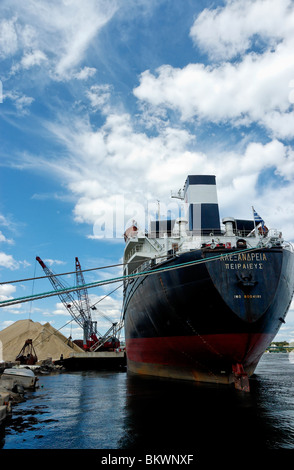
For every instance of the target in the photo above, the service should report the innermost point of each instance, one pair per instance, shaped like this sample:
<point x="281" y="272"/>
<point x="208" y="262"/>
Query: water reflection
<point x="113" y="410"/>
<point x="185" y="416"/>
<point x="182" y="416"/>
<point x="84" y="410"/>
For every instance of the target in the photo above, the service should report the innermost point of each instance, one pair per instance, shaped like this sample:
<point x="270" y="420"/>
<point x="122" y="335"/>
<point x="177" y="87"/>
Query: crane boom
<point x="66" y="297"/>
<point x="84" y="305"/>
<point x="74" y="307"/>
<point x="80" y="310"/>
<point x="82" y="293"/>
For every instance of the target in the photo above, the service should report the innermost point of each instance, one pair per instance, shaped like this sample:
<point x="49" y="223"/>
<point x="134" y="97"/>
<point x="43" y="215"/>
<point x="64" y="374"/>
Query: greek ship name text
<point x="240" y="260"/>
<point x="243" y="265"/>
<point x="253" y="257"/>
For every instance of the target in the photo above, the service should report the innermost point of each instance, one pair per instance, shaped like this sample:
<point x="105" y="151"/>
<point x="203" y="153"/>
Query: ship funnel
<point x="200" y="197"/>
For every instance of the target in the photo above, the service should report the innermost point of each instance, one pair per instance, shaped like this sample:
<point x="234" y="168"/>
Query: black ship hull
<point x="201" y="322"/>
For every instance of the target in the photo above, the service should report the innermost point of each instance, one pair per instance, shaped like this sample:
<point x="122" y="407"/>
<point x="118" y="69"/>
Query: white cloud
<point x="117" y="165"/>
<point x="227" y="92"/>
<point x="123" y="158"/>
<point x="4" y="221"/>
<point x="118" y="160"/>
<point x="31" y="59"/>
<point x="99" y="96"/>
<point x="21" y="101"/>
<point x="7" y="261"/>
<point x="51" y="262"/>
<point x="58" y="33"/>
<point x="4" y="239"/>
<point x="24" y="263"/>
<point x="227" y="31"/>
<point x="8" y="38"/>
<point x="280" y="124"/>
<point x="6" y="290"/>
<point x="256" y="88"/>
<point x="85" y="73"/>
<point x="60" y="310"/>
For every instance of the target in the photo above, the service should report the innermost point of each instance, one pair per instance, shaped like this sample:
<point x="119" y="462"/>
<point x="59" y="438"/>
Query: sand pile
<point x="47" y="341"/>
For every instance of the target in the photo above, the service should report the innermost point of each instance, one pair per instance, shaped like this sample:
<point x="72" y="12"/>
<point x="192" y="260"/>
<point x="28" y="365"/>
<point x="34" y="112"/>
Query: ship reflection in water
<point x="114" y="410"/>
<point x="173" y="416"/>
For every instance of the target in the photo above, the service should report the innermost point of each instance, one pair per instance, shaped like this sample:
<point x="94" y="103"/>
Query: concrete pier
<point x="87" y="360"/>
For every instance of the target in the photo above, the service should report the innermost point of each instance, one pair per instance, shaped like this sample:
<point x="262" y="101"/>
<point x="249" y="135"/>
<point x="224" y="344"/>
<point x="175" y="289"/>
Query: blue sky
<point x="111" y="102"/>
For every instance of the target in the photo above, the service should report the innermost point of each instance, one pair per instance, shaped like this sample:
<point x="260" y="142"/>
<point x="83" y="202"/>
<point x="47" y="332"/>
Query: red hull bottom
<point x="205" y="358"/>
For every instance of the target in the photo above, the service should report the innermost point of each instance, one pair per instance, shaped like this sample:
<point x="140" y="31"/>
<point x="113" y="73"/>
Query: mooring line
<point x="5" y="303"/>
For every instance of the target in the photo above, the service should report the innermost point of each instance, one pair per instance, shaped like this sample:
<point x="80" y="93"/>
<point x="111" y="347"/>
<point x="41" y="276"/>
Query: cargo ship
<point x="204" y="298"/>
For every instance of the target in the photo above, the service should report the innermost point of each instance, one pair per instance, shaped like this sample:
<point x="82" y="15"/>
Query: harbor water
<point x="114" y="410"/>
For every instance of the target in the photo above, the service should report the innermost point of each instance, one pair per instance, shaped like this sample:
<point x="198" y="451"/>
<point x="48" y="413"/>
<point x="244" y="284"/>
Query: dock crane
<point x="80" y="310"/>
<point x="89" y="326"/>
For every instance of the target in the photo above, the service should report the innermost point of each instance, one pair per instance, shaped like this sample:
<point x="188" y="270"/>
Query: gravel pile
<point x="47" y="341"/>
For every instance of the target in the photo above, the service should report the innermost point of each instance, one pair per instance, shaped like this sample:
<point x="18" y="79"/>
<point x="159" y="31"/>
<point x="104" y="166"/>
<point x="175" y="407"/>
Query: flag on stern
<point x="258" y="220"/>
